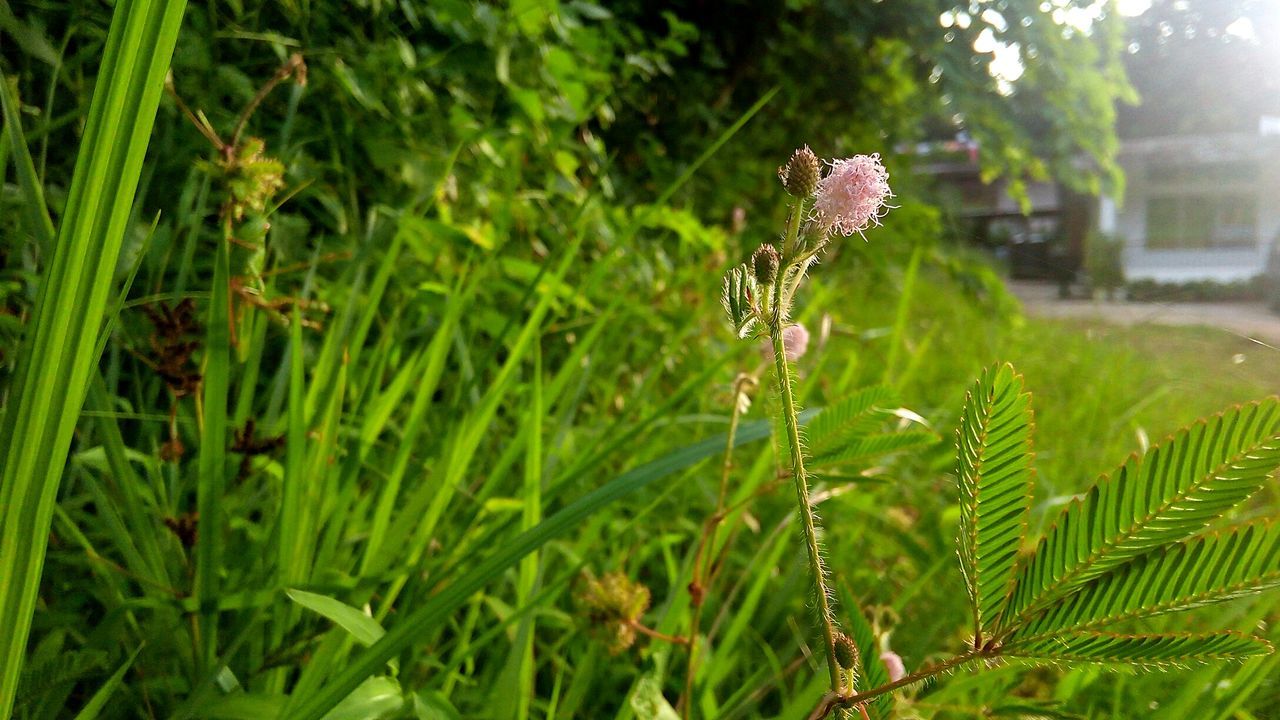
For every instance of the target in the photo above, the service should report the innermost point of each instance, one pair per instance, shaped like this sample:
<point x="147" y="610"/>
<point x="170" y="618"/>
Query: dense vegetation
<point x="409" y="291"/>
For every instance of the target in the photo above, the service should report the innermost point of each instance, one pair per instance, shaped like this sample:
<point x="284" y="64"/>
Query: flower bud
<point x="893" y="664"/>
<point x="795" y="340"/>
<point x="764" y="263"/>
<point x="801" y="173"/>
<point x="846" y="652"/>
<point x="739" y="297"/>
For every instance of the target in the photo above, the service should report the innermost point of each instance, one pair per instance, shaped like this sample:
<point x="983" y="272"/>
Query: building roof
<point x="1191" y="149"/>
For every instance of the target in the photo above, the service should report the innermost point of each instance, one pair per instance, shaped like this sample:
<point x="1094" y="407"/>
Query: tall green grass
<point x="57" y="358"/>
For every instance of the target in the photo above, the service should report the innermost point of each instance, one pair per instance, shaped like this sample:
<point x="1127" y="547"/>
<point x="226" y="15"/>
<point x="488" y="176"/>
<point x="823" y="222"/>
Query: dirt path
<point x="1251" y="320"/>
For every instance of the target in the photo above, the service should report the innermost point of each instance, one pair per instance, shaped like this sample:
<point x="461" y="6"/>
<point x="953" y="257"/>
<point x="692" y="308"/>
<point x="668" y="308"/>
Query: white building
<point x="1199" y="207"/>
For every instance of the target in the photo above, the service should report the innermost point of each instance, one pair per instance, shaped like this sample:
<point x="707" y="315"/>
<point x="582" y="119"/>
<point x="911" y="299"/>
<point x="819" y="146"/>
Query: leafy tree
<point x="1203" y="66"/>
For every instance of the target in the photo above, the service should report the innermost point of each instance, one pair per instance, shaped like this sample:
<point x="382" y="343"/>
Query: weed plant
<point x="1135" y="545"/>
<point x="387" y="420"/>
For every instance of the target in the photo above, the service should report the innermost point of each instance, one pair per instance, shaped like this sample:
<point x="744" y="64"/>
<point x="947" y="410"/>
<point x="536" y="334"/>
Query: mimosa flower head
<point x="851" y="197"/>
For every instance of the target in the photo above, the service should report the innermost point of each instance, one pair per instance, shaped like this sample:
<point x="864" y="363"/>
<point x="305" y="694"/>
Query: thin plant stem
<point x="290" y="66"/>
<point x="646" y="630"/>
<point x="808" y="518"/>
<point x="704" y="562"/>
<point x="834" y="700"/>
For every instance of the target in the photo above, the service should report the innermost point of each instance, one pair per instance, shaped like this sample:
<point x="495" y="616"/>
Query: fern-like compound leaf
<point x="994" y="468"/>
<point x="867" y="424"/>
<point x="1204" y="570"/>
<point x="1169" y="494"/>
<point x="1144" y="650"/>
<point x="876" y="444"/>
<point x="856" y="415"/>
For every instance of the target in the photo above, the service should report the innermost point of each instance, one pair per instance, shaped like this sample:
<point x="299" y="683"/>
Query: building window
<point x="1201" y="222"/>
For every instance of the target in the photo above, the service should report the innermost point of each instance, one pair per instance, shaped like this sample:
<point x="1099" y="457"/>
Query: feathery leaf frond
<point x="1144" y="650"/>
<point x="1200" y="571"/>
<point x="994" y="469"/>
<point x="867" y="424"/>
<point x="871" y="671"/>
<point x="868" y="446"/>
<point x="858" y="414"/>
<point x="1166" y="495"/>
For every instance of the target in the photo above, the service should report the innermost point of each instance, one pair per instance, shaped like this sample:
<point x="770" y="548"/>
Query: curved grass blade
<point x="99" y="701"/>
<point x="1201" y="571"/>
<point x="439" y="607"/>
<point x="1152" y="651"/>
<point x="994" y="469"/>
<point x="1169" y="494"/>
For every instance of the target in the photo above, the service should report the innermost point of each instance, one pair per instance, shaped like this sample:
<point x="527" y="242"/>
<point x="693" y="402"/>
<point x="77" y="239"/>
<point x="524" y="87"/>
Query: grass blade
<point x="439" y="607"/>
<point x="213" y="455"/>
<point x="56" y="359"/>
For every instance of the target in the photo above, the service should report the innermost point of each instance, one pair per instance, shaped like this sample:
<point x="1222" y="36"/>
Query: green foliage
<point x="1166" y="495"/>
<point x="1201" y="571"/>
<point x="57" y="357"/>
<point x="1122" y="552"/>
<point x="871" y="672"/>
<point x="1148" y="651"/>
<point x="462" y="347"/>
<point x="994" y="469"/>
<point x="868" y="424"/>
<point x="1104" y="261"/>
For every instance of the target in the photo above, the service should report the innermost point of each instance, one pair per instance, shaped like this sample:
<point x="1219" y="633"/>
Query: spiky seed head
<point x="764" y="262"/>
<point x="613" y="604"/>
<point x="846" y="652"/>
<point x="801" y="173"/>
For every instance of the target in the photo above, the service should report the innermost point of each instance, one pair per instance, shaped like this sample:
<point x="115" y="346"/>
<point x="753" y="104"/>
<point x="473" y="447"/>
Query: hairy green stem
<point x="808" y="518"/>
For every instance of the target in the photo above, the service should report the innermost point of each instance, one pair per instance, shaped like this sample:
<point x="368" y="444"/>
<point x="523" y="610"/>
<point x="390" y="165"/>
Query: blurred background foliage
<point x="455" y="152"/>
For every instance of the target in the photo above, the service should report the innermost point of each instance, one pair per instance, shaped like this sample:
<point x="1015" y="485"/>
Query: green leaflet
<point x="1166" y="495"/>
<point x="858" y="414"/>
<point x="1200" y="571"/>
<point x="871" y="670"/>
<point x="876" y="444"/>
<point x="994" y="469"/>
<point x="857" y="428"/>
<point x="1145" y="650"/>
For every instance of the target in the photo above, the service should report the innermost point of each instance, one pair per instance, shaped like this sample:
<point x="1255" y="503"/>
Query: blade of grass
<point x="56" y="358"/>
<point x="520" y="669"/>
<point x="33" y="205"/>
<point x="212" y="480"/>
<point x="415" y="624"/>
<point x="94" y="707"/>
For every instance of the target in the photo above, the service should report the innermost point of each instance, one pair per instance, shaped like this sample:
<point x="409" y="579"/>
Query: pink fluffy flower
<point x="795" y="341"/>
<point x="852" y="196"/>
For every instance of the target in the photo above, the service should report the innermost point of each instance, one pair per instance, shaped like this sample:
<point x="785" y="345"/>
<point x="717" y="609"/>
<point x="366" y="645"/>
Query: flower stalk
<point x="758" y="298"/>
<point x="808" y="518"/>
